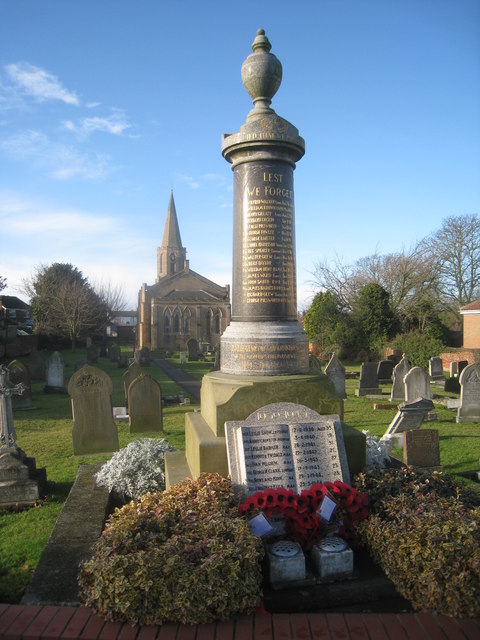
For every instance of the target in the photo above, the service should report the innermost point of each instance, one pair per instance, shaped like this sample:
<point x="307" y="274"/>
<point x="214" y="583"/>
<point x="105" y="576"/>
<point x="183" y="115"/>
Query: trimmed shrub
<point x="184" y="555"/>
<point x="418" y="347"/>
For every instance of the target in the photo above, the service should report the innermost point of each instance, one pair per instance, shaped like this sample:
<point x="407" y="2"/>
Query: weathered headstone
<point x="55" y="374"/>
<point x="192" y="346"/>
<point x="385" y="371"/>
<point x="113" y="352"/>
<point x="421" y="448"/>
<point x="435" y="369"/>
<point x="285" y="445"/>
<point x="18" y="374"/>
<point x="452" y="385"/>
<point x="145" y="405"/>
<point x="133" y="371"/>
<point x="94" y="430"/>
<point x="183" y="357"/>
<point x="142" y="357"/>
<point x="336" y="372"/>
<point x="462" y="364"/>
<point x="398" y="387"/>
<point x="36" y="366"/>
<point x="469" y="410"/>
<point x="20" y="481"/>
<point x="417" y="384"/>
<point x="453" y="369"/>
<point x="92" y="354"/>
<point x="368" y="384"/>
<point x="410" y="415"/>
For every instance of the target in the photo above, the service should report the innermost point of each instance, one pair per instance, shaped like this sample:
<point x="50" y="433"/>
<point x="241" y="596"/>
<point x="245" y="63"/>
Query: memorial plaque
<point x="421" y="448"/>
<point x="469" y="410"/>
<point x="285" y="445"/>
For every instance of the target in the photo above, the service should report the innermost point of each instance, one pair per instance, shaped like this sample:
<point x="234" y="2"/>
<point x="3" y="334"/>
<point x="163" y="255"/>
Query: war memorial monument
<point x="264" y="351"/>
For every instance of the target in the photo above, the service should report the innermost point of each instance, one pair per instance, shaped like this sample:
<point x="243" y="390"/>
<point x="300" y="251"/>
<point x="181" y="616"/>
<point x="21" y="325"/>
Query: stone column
<point x="264" y="336"/>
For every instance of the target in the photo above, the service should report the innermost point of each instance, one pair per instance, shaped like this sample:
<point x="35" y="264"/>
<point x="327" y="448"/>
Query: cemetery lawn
<point x="45" y="433"/>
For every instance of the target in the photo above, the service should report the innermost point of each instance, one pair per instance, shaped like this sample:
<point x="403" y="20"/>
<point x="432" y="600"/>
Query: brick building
<point x="471" y="325"/>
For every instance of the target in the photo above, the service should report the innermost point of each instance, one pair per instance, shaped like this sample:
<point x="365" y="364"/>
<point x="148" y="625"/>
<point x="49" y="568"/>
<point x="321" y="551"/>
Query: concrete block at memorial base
<point x="205" y="452"/>
<point x="332" y="559"/>
<point x="176" y="468"/>
<point x="286" y="562"/>
<point x="355" y="447"/>
<point x="225" y="397"/>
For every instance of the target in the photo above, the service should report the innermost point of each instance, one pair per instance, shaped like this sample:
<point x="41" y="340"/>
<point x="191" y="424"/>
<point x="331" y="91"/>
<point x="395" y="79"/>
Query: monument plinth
<point x="264" y="350"/>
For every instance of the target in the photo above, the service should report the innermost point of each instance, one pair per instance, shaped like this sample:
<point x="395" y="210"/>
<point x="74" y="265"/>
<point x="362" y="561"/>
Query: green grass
<point x="45" y="433"/>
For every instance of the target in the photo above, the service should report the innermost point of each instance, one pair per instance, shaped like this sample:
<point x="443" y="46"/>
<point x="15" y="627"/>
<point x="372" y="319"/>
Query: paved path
<point x="184" y="380"/>
<point x="31" y="622"/>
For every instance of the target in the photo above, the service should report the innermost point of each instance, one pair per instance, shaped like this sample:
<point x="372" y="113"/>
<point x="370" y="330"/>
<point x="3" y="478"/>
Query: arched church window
<point x="176" y="322"/>
<point x="186" y="321"/>
<point x="217" y="322"/>
<point x="209" y="323"/>
<point x="172" y="262"/>
<point x="166" y="322"/>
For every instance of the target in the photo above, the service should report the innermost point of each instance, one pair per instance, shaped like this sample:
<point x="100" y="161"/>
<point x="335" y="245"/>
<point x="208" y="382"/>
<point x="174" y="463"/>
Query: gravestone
<point x="435" y="369"/>
<point x="453" y="369"/>
<point x="183" y="357"/>
<point x="469" y="410"/>
<point x="385" y="371"/>
<point x="133" y="371"/>
<point x="114" y="352"/>
<point x="285" y="445"/>
<point x="398" y="387"/>
<point x="122" y="361"/>
<point x="410" y="415"/>
<point x="92" y="354"/>
<point x="21" y="483"/>
<point x="36" y="366"/>
<point x="55" y="374"/>
<point x="462" y="364"/>
<point x="368" y="384"/>
<point x="192" y="346"/>
<point x="421" y="448"/>
<point x="417" y="384"/>
<point x="145" y="405"/>
<point x="142" y="357"/>
<point x="18" y="374"/>
<point x="94" y="430"/>
<point x="452" y="385"/>
<point x="336" y="372"/>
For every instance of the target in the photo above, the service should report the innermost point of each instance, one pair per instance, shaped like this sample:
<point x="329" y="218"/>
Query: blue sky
<point x="105" y="106"/>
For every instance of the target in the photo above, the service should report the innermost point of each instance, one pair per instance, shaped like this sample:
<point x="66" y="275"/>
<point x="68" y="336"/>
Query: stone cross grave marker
<point x="133" y="371"/>
<point x="18" y="373"/>
<point x="385" y="371"/>
<point x="417" y="384"/>
<point x="410" y="415"/>
<point x="368" y="384"/>
<point x="94" y="430"/>
<point x="145" y="405"/>
<point x="285" y="445"/>
<point x="398" y="387"/>
<point x="55" y="374"/>
<point x="8" y="437"/>
<point x="435" y="369"/>
<point x="421" y="448"/>
<point x="336" y="372"/>
<point x="469" y="410"/>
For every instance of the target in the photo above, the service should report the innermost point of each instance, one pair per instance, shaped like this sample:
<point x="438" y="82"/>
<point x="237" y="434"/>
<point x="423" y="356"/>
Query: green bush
<point x="184" y="555"/>
<point x="418" y="347"/>
<point x="424" y="531"/>
<point x="430" y="551"/>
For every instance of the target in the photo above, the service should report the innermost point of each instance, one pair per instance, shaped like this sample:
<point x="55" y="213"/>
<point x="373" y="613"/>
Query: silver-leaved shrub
<point x="136" y="469"/>
<point x="377" y="452"/>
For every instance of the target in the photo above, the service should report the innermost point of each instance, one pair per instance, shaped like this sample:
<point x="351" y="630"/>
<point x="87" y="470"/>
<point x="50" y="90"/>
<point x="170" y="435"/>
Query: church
<point x="182" y="304"/>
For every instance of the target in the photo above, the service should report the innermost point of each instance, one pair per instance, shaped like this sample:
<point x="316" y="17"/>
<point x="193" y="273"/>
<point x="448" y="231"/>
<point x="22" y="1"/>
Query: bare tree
<point x="113" y="296"/>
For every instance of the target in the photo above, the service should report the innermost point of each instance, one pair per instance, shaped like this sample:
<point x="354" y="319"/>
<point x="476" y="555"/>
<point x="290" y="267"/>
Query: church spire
<point x="171" y="256"/>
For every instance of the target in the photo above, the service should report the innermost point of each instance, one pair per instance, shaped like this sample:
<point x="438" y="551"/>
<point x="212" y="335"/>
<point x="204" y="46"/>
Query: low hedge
<point x="183" y="555"/>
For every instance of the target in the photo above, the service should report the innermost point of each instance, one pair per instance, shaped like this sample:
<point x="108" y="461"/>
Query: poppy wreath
<point x="302" y="522"/>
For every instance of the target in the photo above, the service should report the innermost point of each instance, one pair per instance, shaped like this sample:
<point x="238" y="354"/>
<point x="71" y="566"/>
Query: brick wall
<point x="472" y="356"/>
<point x="471" y="330"/>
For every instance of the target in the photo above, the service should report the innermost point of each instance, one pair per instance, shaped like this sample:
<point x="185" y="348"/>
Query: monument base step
<point x="176" y="468"/>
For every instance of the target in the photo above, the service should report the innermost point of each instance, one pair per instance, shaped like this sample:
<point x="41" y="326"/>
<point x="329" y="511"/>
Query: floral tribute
<point x="300" y="512"/>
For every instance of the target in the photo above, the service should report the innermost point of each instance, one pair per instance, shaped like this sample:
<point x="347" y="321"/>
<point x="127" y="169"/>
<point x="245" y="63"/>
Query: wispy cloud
<point x="61" y="161"/>
<point x="115" y="124"/>
<point x="192" y="182"/>
<point x="39" y="84"/>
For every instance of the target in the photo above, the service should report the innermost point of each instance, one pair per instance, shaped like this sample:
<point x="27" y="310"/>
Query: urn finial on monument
<point x="261" y="75"/>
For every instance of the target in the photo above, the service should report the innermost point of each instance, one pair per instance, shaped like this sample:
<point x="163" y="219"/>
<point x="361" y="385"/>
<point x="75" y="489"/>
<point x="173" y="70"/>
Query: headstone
<point x="36" y="366"/>
<point x="336" y="372"/>
<point x="396" y="356"/>
<point x="398" y="387"/>
<point x="435" y="369"/>
<point x="92" y="354"/>
<point x="133" y="371"/>
<point x="368" y="384"/>
<point x="103" y="350"/>
<point x="452" y="385"/>
<point x="469" y="410"/>
<point x="410" y="415"/>
<point x="142" y="357"/>
<point x="285" y="445"/>
<point x="21" y="483"/>
<point x="94" y="430"/>
<point x="145" y="405"/>
<point x="192" y="346"/>
<point x="462" y="364"/>
<point x="453" y="369"/>
<point x="421" y="448"/>
<point x="183" y="357"/>
<point x="385" y="371"/>
<point x="55" y="374"/>
<point x="114" y="352"/>
<point x="122" y="361"/>
<point x="18" y="374"/>
<point x="417" y="384"/>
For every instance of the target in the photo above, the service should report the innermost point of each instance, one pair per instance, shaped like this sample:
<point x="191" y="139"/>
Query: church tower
<point x="171" y="256"/>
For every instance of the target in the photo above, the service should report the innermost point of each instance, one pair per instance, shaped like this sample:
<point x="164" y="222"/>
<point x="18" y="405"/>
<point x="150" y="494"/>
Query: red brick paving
<point x="24" y="622"/>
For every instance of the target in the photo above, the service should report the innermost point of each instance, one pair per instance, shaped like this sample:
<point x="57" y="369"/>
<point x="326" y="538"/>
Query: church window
<point x="186" y="321"/>
<point x="217" y="322"/>
<point x="166" y="322"/>
<point x="209" y="323"/>
<point x="176" y="322"/>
